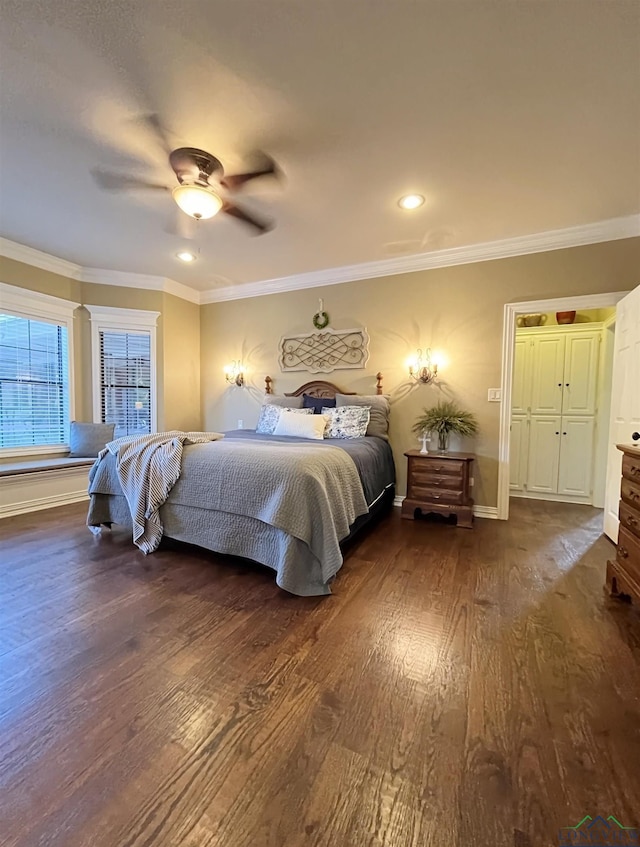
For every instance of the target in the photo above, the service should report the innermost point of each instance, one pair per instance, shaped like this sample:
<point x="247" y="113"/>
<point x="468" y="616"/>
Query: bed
<point x="285" y="502"/>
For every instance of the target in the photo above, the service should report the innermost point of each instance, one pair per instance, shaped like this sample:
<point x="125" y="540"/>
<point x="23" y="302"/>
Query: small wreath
<point x="320" y="320"/>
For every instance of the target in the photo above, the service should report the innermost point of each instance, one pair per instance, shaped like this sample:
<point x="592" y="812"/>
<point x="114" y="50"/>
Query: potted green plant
<point x="444" y="418"/>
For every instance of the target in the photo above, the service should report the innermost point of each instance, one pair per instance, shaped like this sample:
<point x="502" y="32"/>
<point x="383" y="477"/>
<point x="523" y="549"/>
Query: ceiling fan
<point x="202" y="185"/>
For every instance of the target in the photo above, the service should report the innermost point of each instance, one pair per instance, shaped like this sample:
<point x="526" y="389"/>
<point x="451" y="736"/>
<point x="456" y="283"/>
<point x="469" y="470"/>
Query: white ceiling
<point x="511" y="117"/>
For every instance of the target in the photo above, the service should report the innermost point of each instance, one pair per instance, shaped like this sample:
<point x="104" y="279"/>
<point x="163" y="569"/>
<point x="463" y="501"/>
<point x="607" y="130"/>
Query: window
<point x="35" y="371"/>
<point x="124" y="382"/>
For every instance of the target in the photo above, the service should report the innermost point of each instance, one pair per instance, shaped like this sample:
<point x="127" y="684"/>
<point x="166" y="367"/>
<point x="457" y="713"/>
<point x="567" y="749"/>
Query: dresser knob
<point x="623" y="552"/>
<point x="436" y="496"/>
<point x="635" y="470"/>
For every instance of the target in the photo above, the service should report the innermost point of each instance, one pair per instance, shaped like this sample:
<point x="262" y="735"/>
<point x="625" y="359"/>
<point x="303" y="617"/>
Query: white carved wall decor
<point x="325" y="351"/>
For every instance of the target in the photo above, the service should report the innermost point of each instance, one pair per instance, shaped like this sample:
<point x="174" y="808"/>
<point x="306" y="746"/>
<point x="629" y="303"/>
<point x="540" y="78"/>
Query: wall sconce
<point x="233" y="373"/>
<point x="422" y="368"/>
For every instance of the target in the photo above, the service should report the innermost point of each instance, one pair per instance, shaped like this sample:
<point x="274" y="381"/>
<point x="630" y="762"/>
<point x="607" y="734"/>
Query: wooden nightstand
<point x="439" y="482"/>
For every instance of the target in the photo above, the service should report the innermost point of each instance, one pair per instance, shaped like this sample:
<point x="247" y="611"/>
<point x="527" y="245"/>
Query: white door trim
<point x="511" y="311"/>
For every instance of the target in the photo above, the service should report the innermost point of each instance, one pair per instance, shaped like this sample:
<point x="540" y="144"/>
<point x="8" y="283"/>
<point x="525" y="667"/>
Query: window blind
<point x="34" y="382"/>
<point x="125" y="381"/>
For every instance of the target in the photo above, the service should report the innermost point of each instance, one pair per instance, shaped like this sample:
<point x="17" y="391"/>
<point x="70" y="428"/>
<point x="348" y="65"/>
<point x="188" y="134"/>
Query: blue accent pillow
<point x="317" y="403"/>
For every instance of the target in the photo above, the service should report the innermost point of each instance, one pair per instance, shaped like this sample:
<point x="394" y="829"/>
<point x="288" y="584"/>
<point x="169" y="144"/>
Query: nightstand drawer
<point x="427" y="494"/>
<point x="630" y="493"/>
<point x="427" y="476"/>
<point x="434" y="464"/>
<point x="631" y="468"/>
<point x="628" y="555"/>
<point x="629" y="518"/>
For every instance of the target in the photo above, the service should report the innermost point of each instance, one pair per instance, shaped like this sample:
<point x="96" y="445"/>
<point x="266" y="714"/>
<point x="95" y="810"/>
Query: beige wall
<point x="178" y="339"/>
<point x="457" y="310"/>
<point x="181" y="364"/>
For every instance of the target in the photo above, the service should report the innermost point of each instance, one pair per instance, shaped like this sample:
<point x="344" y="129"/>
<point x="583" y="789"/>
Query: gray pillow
<point x="379" y="415"/>
<point x="86" y="440"/>
<point x="282" y="401"/>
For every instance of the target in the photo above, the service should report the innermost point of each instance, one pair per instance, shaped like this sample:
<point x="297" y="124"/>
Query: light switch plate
<point x="494" y="395"/>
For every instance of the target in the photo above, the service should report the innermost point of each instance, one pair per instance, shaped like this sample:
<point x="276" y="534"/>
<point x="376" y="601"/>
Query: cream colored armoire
<point x="553" y="413"/>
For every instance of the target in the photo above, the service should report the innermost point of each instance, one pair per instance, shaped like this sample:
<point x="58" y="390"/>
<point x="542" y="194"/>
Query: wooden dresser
<point x="440" y="483"/>
<point x="623" y="574"/>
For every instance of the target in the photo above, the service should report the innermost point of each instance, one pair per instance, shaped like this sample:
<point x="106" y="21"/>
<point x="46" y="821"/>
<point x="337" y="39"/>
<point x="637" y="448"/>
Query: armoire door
<point x="521" y="385"/>
<point x="519" y="453"/>
<point x="576" y="456"/>
<point x="544" y="454"/>
<point x="580" y="374"/>
<point x="547" y="377"/>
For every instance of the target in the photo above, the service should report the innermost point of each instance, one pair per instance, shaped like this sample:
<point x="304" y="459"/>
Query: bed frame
<point x="318" y="388"/>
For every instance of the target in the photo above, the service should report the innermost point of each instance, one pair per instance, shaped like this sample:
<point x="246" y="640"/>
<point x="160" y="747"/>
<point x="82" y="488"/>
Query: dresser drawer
<point x="631" y="468"/>
<point x="427" y="494"/>
<point x="630" y="518"/>
<point x="630" y="493"/>
<point x="628" y="555"/>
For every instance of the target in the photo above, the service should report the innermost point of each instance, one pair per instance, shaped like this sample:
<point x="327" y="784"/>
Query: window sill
<point x="33" y="450"/>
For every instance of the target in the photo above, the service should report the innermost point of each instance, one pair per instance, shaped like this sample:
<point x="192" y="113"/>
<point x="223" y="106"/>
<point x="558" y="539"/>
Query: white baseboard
<point x="478" y="511"/>
<point x="490" y="512"/>
<point x="31" y="492"/>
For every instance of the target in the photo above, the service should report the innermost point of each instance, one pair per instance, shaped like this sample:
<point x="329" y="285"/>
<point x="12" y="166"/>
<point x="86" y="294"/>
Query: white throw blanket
<point x="148" y="467"/>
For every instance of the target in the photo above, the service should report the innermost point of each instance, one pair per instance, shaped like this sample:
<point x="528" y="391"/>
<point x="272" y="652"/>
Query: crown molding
<point x="541" y="242"/>
<point x="147" y="282"/>
<point x="38" y="259"/>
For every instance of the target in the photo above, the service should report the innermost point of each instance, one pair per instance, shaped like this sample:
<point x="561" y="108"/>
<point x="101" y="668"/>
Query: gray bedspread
<point x="284" y="502"/>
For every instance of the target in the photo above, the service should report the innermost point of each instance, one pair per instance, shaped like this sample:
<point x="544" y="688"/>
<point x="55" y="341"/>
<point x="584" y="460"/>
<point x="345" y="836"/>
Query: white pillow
<point x="302" y="426"/>
<point x="270" y="415"/>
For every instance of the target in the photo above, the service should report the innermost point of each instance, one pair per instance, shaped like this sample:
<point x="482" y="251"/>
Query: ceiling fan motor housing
<point x="192" y="165"/>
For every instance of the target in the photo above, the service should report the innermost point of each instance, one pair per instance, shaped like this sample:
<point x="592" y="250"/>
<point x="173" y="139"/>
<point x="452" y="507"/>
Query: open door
<point x="625" y="401"/>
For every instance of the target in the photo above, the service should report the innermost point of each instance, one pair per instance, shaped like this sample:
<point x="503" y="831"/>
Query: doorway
<point x="544" y="307"/>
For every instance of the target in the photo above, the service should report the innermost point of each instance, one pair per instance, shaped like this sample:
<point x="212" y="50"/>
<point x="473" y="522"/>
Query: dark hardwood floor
<point x="459" y="688"/>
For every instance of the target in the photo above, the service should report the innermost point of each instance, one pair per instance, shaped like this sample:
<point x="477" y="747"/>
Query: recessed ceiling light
<point x="411" y="201"/>
<point x="186" y="256"/>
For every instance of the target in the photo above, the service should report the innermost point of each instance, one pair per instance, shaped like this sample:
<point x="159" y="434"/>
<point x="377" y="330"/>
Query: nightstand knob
<point x="623" y="552"/>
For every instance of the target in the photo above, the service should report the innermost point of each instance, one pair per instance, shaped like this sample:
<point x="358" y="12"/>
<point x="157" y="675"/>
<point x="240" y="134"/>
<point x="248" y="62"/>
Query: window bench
<point x="30" y="485"/>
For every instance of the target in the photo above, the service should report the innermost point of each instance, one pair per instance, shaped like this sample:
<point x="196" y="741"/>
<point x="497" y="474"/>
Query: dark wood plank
<point x="458" y="688"/>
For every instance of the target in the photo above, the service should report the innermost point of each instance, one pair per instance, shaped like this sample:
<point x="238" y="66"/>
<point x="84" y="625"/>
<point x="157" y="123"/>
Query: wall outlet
<point x="240" y="423"/>
<point x="494" y="395"/>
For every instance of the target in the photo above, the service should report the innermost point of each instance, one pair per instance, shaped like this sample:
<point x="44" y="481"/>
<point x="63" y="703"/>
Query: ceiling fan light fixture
<point x="197" y="201"/>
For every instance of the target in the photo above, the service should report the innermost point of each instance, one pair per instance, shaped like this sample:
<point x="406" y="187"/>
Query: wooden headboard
<point x="317" y="388"/>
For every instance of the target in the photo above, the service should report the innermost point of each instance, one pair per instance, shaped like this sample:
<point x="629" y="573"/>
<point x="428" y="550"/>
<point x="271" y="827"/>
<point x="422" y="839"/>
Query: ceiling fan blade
<point x="152" y="122"/>
<point x="110" y="181"/>
<point x="260" y="225"/>
<point x="268" y="167"/>
<point x="182" y="225"/>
